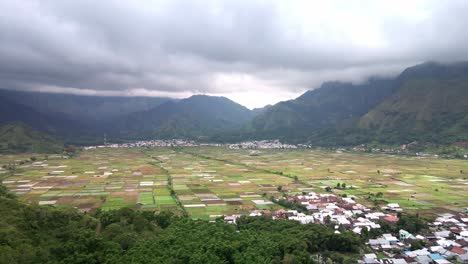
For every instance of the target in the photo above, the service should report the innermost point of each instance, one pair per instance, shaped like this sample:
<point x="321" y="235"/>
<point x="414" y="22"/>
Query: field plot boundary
<point x="157" y="162"/>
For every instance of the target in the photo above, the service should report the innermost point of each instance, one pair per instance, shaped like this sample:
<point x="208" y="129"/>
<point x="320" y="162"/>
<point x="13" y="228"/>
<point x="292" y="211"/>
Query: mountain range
<point x="426" y="102"/>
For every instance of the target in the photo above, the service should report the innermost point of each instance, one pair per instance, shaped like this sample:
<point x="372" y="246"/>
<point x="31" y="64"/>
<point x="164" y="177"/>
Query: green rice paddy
<point x="206" y="182"/>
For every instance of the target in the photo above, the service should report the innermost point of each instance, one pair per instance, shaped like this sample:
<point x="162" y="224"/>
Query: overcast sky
<point x="253" y="52"/>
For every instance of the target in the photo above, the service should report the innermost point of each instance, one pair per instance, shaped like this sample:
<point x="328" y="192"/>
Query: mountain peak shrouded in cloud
<point x="254" y="52"/>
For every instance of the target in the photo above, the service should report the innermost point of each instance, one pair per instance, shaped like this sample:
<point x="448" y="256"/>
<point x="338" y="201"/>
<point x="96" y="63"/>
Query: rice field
<point x="423" y="184"/>
<point x="207" y="182"/>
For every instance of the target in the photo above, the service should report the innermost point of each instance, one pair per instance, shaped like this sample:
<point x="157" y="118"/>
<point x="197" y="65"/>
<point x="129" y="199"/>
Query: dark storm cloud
<point x="233" y="48"/>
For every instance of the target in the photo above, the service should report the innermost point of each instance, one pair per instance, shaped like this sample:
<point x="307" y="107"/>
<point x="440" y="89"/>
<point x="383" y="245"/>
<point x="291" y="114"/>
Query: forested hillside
<point x="333" y="106"/>
<point x="431" y="104"/>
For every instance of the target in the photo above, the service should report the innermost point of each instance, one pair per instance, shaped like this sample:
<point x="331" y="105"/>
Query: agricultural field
<point x="209" y="188"/>
<point x="207" y="182"/>
<point x="106" y="179"/>
<point x="425" y="184"/>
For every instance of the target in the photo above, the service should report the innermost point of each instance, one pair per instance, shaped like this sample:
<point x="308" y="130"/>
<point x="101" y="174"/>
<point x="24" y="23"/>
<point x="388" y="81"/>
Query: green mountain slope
<point x="431" y="104"/>
<point x="427" y="102"/>
<point x="17" y="137"/>
<point x="333" y="106"/>
<point x="195" y="117"/>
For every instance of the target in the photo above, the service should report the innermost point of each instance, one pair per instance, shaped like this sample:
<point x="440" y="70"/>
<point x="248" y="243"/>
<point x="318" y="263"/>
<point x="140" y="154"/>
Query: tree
<point x="417" y="244"/>
<point x="411" y="223"/>
<point x="4" y="192"/>
<point x="140" y="223"/>
<point x="343" y="185"/>
<point x="280" y="188"/>
<point x="338" y="186"/>
<point x="328" y="189"/>
<point x="70" y="150"/>
<point x="365" y="233"/>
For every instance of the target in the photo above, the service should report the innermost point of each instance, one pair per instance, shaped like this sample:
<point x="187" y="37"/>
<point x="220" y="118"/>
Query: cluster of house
<point x="447" y="242"/>
<point x="149" y="143"/>
<point x="404" y="149"/>
<point x="388" y="150"/>
<point x="345" y="212"/>
<point x="262" y="144"/>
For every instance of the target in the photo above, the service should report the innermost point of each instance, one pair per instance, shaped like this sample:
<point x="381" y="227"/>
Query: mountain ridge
<point x="83" y="107"/>
<point x="198" y="116"/>
<point x="424" y="102"/>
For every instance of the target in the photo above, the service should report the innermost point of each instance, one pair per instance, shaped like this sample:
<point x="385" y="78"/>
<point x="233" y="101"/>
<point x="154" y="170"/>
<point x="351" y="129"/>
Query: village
<point x="446" y="240"/>
<point x="270" y="144"/>
<point x="146" y="143"/>
<point x="262" y="144"/>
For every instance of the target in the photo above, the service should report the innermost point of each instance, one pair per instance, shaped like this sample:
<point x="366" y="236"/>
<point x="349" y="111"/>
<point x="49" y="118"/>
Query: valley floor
<point x="208" y="182"/>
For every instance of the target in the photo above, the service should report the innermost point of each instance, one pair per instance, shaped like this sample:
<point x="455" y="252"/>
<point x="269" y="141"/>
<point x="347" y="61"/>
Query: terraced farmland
<point x="206" y="182"/>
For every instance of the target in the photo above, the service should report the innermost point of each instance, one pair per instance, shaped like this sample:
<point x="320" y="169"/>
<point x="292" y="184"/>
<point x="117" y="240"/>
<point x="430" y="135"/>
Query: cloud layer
<point x="255" y="52"/>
